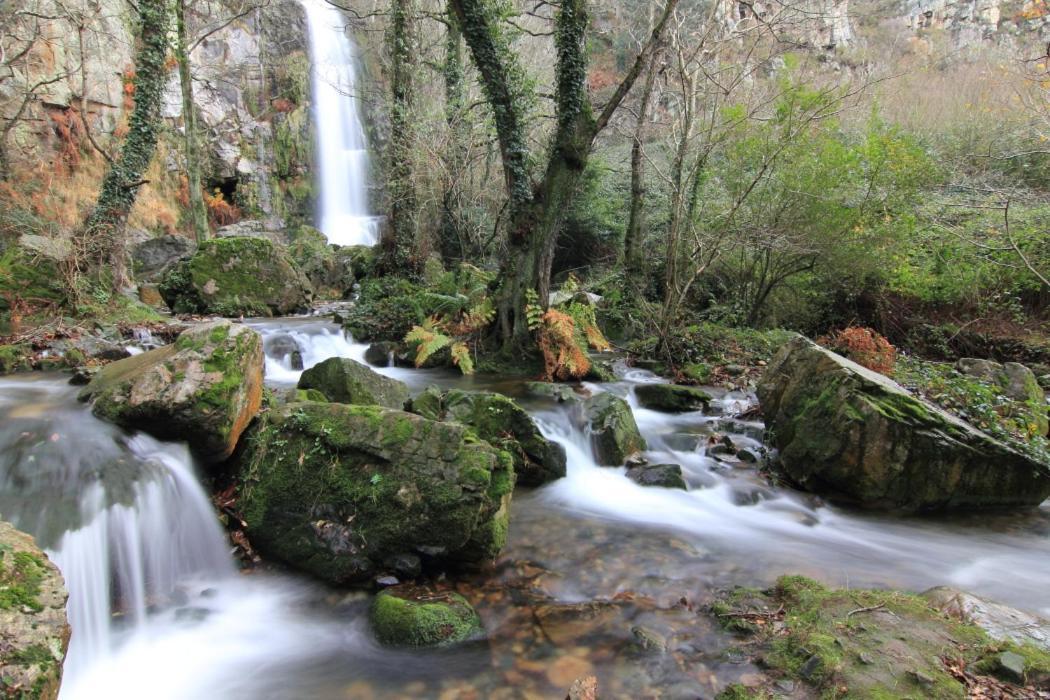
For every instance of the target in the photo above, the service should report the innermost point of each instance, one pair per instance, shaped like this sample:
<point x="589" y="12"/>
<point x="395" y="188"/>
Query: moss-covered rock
<point x="562" y="393"/>
<point x="344" y="380"/>
<point x="204" y="388"/>
<point x="310" y="250"/>
<point x="17" y="357"/>
<point x="335" y="490"/>
<point x="852" y="434"/>
<point x="614" y="433"/>
<point x="355" y="262"/>
<point x="34" y="633"/>
<point x="237" y="276"/>
<point x="29" y="276"/>
<point x="672" y="398"/>
<point x="868" y="644"/>
<point x="414" y="616"/>
<point x="665" y="475"/>
<point x="503" y="423"/>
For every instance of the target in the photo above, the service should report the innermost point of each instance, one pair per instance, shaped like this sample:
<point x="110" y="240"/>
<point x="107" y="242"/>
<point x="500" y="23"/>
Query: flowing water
<point x="341" y="144"/>
<point x="158" y="609"/>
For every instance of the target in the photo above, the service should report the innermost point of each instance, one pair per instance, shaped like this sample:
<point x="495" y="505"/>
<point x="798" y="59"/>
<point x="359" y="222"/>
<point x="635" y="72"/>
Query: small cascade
<point x="342" y="147"/>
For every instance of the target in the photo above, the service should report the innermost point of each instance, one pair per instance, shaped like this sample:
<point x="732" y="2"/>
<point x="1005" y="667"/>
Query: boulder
<point x="416" y="616"/>
<point x="310" y="250"/>
<point x="672" y="398"/>
<point x="382" y="354"/>
<point x="614" y="433"/>
<point x="152" y="258"/>
<point x="237" y="277"/>
<point x="337" y="490"/>
<point x="1014" y="380"/>
<point x="34" y="632"/>
<point x="561" y="393"/>
<point x="204" y="388"/>
<point x="347" y="381"/>
<point x="503" y="423"/>
<point x="850" y="433"/>
<point x="1001" y="622"/>
<point x="665" y="475"/>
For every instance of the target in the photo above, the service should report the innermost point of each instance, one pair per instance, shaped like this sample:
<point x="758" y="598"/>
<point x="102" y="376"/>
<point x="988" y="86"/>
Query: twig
<point x="880" y="606"/>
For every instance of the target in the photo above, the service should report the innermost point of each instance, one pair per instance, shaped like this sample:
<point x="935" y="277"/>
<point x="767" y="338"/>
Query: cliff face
<point x="970" y="22"/>
<point x="70" y="93"/>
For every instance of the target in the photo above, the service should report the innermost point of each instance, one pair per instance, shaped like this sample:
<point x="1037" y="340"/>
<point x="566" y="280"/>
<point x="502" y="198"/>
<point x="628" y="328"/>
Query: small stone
<point x="810" y="668"/>
<point x="387" y="581"/>
<point x="296" y="360"/>
<point x="82" y="375"/>
<point x="665" y="475"/>
<point x="746" y="456"/>
<point x="785" y="686"/>
<point x="865" y="659"/>
<point x="921" y="678"/>
<point x="648" y="640"/>
<point x="734" y="370"/>
<point x="407" y="565"/>
<point x="636" y="461"/>
<point x="1011" y="666"/>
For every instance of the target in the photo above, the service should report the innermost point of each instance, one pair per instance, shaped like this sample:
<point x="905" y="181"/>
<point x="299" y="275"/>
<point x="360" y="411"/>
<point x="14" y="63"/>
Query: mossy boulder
<point x="614" y="432"/>
<point x="847" y="432"/>
<point x="204" y="388"/>
<point x="415" y="616"/>
<point x="309" y="248"/>
<point x="17" y="357"/>
<point x="344" y="380"/>
<point x="503" y="423"/>
<point x="1015" y="381"/>
<point x="354" y="262"/>
<point x="336" y="490"/>
<point x="664" y="475"/>
<point x="29" y="274"/>
<point x="237" y="276"/>
<point x="34" y="632"/>
<point x="672" y="398"/>
<point x="869" y="644"/>
<point x="562" y="393"/>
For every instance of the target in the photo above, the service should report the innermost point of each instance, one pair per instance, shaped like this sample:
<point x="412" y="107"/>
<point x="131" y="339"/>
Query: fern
<point x="587" y="323"/>
<point x="461" y="358"/>
<point x="428" y="339"/>
<point x="533" y="310"/>
<point x="563" y="347"/>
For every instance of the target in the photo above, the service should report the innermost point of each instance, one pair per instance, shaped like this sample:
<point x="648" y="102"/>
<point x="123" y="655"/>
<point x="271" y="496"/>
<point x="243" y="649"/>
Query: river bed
<point x="599" y="575"/>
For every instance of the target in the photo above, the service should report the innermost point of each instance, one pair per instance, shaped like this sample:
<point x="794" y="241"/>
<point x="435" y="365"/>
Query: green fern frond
<point x="461" y="358"/>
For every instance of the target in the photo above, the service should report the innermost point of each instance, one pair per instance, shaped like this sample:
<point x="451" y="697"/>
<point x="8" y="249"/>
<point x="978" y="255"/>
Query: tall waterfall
<point x="342" y="149"/>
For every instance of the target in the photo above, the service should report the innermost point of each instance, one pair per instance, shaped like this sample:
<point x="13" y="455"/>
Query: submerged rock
<point x="847" y="432"/>
<point x="665" y="475"/>
<point x="204" y="388"/>
<point x="344" y="380"/>
<point x="34" y="632"/>
<point x="237" y="277"/>
<point x="337" y="490"/>
<point x="503" y="423"/>
<point x="415" y="616"/>
<point x="672" y="398"/>
<point x="614" y="433"/>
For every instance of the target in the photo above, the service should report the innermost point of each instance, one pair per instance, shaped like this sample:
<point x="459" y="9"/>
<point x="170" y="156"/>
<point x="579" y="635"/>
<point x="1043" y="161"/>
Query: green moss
<point x="15" y="358"/>
<point x="21" y="574"/>
<point x="449" y="619"/>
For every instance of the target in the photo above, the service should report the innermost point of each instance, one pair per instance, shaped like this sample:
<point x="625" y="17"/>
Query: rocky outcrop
<point x="34" y="633"/>
<point x="338" y="490"/>
<point x="237" y="277"/>
<point x="503" y="423"/>
<point x="672" y="398"/>
<point x="847" y="432"/>
<point x="415" y="616"/>
<point x="344" y="380"/>
<point x="151" y="259"/>
<point x="1001" y="622"/>
<point x="204" y="388"/>
<point x="614" y="433"/>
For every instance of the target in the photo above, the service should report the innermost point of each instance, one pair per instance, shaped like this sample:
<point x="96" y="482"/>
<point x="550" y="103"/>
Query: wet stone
<point x="665" y="475"/>
<point x="1011" y="665"/>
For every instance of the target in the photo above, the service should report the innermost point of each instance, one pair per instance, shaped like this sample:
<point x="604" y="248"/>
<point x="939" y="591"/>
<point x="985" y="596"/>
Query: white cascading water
<point x="342" y="147"/>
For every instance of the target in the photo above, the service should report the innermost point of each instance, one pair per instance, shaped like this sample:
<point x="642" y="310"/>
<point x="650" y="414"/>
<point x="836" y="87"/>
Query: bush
<point x="388" y="308"/>
<point x="864" y="346"/>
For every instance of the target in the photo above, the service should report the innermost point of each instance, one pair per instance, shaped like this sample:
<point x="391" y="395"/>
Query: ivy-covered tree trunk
<point x="399" y="237"/>
<point x="453" y="243"/>
<point x="634" y="266"/>
<point x="536" y="210"/>
<point x="198" y="212"/>
<point x="106" y="225"/>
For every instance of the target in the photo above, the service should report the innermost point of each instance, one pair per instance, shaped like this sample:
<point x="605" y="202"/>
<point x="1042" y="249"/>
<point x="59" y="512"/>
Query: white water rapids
<point x="341" y="144"/>
<point x="158" y="611"/>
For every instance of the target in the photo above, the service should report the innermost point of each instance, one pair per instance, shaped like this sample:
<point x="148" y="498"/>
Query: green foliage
<point x="21" y="574"/>
<point x="387" y="308"/>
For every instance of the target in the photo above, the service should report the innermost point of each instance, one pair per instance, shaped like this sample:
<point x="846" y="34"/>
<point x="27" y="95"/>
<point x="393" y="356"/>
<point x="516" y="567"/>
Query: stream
<point x="595" y="565"/>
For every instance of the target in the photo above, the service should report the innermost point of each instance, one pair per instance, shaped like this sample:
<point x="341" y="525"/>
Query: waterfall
<point x="342" y="148"/>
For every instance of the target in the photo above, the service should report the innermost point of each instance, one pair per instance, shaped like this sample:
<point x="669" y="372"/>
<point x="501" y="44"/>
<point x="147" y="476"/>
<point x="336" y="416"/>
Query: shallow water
<point x="125" y="519"/>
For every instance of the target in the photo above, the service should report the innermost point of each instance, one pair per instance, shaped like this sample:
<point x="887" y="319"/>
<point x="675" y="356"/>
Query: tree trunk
<point x="453" y="243"/>
<point x="106" y="224"/>
<point x="398" y="241"/>
<point x="634" y="266"/>
<point x="198" y="212"/>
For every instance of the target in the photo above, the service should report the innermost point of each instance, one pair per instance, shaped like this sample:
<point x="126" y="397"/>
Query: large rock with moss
<point x="336" y="490"/>
<point x="204" y="388"/>
<point x="614" y="432"/>
<point x="34" y="633"/>
<point x="672" y="398"/>
<point x="237" y="277"/>
<point x="847" y="432"/>
<point x="503" y="423"/>
<point x="344" y="380"/>
<point x="1015" y="381"/>
<point x="415" y="616"/>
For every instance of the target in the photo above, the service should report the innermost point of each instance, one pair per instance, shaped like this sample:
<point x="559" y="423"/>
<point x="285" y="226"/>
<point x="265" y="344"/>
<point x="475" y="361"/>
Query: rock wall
<point x="822" y="24"/>
<point x="972" y="22"/>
